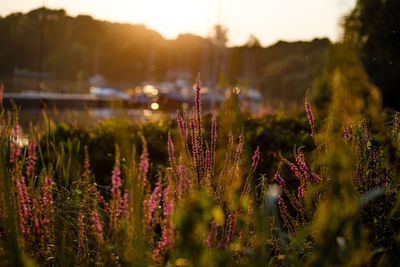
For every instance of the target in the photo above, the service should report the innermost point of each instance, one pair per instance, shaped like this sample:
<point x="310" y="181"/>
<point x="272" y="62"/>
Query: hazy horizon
<point x="289" y="20"/>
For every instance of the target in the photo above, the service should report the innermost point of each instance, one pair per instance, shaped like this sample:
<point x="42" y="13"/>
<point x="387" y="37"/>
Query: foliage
<point x="333" y="202"/>
<point x="373" y="27"/>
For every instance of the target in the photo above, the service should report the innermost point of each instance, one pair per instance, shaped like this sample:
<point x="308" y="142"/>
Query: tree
<point x="374" y="27"/>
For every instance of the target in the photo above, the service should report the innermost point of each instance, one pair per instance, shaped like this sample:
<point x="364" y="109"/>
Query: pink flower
<point x="256" y="158"/>
<point x="310" y="115"/>
<point x="279" y="179"/>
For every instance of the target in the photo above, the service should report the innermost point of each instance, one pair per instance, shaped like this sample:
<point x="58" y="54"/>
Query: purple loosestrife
<point x="47" y="208"/>
<point x="372" y="155"/>
<point x="305" y="170"/>
<point x="231" y="228"/>
<point x="239" y="150"/>
<point x="195" y="146"/>
<point x="15" y="149"/>
<point x="310" y="115"/>
<point x="151" y="203"/>
<point x="30" y="169"/>
<point x="24" y="204"/>
<point x="116" y="181"/>
<point x="96" y="225"/>
<point x="200" y="152"/>
<point x="256" y="158"/>
<point x="143" y="168"/>
<point x="86" y="165"/>
<point x="47" y="192"/>
<point x="281" y="203"/>
<point x="81" y="235"/>
<point x="346" y="132"/>
<point x="198" y="109"/>
<point x="212" y="235"/>
<point x="182" y="125"/>
<point x="115" y="205"/>
<point x="279" y="179"/>
<point x="36" y="214"/>
<point x="300" y="192"/>
<point x="99" y="198"/>
<point x="213" y="142"/>
<point x="296" y="171"/>
<point x="125" y="205"/>
<point x="167" y="237"/>
<point x="207" y="161"/>
<point x="171" y="154"/>
<point x="184" y="181"/>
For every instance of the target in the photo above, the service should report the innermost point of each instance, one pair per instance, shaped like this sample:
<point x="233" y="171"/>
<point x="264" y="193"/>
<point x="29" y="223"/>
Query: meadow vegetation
<point x="204" y="190"/>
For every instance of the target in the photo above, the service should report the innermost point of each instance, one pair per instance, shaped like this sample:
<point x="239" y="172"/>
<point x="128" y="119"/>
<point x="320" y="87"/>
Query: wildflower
<point x="182" y="128"/>
<point x="116" y="181"/>
<point x="143" y="168"/>
<point x="198" y="106"/>
<point x="256" y="158"/>
<point x="171" y="153"/>
<point x="152" y="202"/>
<point x="96" y="226"/>
<point x="281" y="203"/>
<point x="184" y="180"/>
<point x="46" y="189"/>
<point x="372" y="155"/>
<point x="81" y="233"/>
<point x="279" y="179"/>
<point x="239" y="149"/>
<point x="300" y="191"/>
<point x="207" y="161"/>
<point x="195" y="145"/>
<point x="231" y="227"/>
<point x="115" y="206"/>
<point x="30" y="170"/>
<point x="24" y="204"/>
<point x="310" y="115"/>
<point x="212" y="234"/>
<point x="213" y="140"/>
<point x="167" y="236"/>
<point x="86" y="166"/>
<point x="15" y="149"/>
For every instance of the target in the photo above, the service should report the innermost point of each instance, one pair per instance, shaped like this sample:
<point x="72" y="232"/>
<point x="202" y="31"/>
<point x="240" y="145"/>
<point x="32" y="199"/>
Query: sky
<point x="268" y="20"/>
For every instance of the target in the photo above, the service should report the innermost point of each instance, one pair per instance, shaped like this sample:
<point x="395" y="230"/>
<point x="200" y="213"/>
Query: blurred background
<point x="144" y="56"/>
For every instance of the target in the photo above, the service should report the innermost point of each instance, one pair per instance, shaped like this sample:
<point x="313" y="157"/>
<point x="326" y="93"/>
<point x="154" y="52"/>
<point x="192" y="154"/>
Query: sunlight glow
<point x="268" y="20"/>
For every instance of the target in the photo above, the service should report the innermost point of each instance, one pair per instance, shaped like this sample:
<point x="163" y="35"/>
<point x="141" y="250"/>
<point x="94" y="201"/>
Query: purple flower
<point x="143" y="168"/>
<point x="281" y="203"/>
<point x="24" y="204"/>
<point x="152" y="202"/>
<point x="279" y="179"/>
<point x="212" y="234"/>
<point x="300" y="191"/>
<point x="15" y="149"/>
<point x="30" y="170"/>
<point x="96" y="226"/>
<point x="182" y="128"/>
<point x="213" y="141"/>
<point x="207" y="161"/>
<point x="256" y="158"/>
<point x="171" y="153"/>
<point x="86" y="166"/>
<point x="372" y="155"/>
<point x="116" y="181"/>
<point x="239" y="149"/>
<point x="231" y="227"/>
<point x="310" y="115"/>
